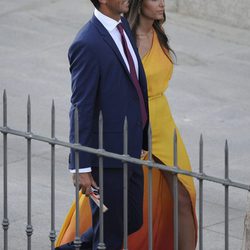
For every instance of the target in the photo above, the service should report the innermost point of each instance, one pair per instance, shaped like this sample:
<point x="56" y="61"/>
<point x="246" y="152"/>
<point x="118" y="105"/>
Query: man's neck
<point x="105" y="11"/>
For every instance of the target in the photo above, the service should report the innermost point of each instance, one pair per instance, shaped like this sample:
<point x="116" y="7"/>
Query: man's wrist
<point x="81" y="170"/>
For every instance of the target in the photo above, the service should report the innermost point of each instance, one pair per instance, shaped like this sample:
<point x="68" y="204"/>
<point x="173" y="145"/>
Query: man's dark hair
<point x="96" y="3"/>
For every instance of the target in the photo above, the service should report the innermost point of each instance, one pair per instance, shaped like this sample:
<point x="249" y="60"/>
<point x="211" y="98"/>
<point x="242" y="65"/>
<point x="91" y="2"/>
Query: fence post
<point x="77" y="241"/>
<point x="150" y="191"/>
<point x="101" y="244"/>
<point x="201" y="196"/>
<point x="5" y="222"/>
<point x="29" y="228"/>
<point x="226" y="198"/>
<point x="52" y="235"/>
<point x="176" y="195"/>
<point x="125" y="186"/>
<point x="29" y="136"/>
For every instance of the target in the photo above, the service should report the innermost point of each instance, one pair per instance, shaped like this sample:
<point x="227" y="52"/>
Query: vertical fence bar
<point x="150" y="192"/>
<point x="226" y="198"/>
<point x="201" y="196"/>
<point x="176" y="198"/>
<point x="29" y="228"/>
<point x="5" y="222"/>
<point x="52" y="232"/>
<point x="77" y="241"/>
<point x="125" y="186"/>
<point x="101" y="244"/>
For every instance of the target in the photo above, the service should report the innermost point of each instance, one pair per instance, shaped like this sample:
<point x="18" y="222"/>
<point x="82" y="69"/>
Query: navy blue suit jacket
<point x="101" y="81"/>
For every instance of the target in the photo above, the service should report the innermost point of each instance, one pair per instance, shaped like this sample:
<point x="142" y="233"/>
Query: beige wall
<point x="231" y="12"/>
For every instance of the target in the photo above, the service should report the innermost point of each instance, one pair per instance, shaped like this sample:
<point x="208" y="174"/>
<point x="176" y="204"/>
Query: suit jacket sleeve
<point x="84" y="78"/>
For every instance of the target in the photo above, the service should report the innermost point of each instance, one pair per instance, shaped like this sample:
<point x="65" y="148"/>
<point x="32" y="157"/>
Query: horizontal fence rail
<point x="126" y="159"/>
<point x="129" y="159"/>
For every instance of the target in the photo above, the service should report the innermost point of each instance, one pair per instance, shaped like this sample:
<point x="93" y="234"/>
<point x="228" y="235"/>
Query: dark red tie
<point x="133" y="74"/>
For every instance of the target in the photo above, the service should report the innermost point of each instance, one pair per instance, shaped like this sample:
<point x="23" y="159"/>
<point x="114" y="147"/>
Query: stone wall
<point x="232" y="12"/>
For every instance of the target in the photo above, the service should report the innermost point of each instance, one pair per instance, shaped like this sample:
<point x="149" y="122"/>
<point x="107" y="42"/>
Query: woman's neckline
<point x="152" y="43"/>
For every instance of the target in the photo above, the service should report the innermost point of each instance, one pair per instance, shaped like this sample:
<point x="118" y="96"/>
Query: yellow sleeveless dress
<point x="158" y="69"/>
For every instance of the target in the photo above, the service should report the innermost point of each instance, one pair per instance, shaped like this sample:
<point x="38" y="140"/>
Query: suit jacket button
<point x="139" y="123"/>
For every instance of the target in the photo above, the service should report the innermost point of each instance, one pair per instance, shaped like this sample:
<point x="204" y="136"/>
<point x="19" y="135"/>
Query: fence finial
<point x="4" y="108"/>
<point x="100" y="130"/>
<point x="201" y="139"/>
<point x="53" y="119"/>
<point x="28" y="114"/>
<point x="226" y="160"/>
<point x="201" y="154"/>
<point x="125" y="136"/>
<point x="149" y="142"/>
<point x="175" y="148"/>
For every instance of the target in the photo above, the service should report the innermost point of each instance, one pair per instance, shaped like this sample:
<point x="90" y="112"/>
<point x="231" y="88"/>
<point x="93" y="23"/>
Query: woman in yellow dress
<point x="146" y="18"/>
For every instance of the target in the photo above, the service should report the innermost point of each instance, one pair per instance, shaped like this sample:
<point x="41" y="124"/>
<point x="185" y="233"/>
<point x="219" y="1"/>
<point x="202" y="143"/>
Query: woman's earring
<point x="139" y="11"/>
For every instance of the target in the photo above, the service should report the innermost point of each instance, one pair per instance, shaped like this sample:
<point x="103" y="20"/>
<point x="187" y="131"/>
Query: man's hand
<point x="85" y="182"/>
<point x="143" y="153"/>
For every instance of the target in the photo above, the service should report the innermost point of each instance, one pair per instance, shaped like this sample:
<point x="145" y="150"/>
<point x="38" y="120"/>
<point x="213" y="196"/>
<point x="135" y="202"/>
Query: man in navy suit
<point x="108" y="76"/>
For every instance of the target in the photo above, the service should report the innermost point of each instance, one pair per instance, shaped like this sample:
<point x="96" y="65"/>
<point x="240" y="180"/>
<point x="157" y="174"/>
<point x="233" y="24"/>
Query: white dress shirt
<point x="111" y="26"/>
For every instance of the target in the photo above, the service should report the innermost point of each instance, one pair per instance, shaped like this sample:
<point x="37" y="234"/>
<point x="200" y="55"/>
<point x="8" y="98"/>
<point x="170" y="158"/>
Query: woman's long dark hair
<point x="133" y="17"/>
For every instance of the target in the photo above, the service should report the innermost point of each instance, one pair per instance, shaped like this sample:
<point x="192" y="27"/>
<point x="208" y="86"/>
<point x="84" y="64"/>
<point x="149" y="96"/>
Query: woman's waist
<point x="156" y="96"/>
<point x="158" y="104"/>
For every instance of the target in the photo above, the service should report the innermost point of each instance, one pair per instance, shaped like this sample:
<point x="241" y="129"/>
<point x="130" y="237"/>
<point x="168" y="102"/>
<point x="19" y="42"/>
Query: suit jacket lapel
<point x="109" y="40"/>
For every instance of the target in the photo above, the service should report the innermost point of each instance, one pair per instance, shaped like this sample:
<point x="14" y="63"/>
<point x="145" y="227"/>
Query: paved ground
<point x="209" y="93"/>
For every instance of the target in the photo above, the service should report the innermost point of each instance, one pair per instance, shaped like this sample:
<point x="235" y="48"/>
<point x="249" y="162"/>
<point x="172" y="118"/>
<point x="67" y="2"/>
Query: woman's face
<point x="153" y="9"/>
